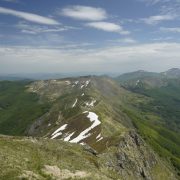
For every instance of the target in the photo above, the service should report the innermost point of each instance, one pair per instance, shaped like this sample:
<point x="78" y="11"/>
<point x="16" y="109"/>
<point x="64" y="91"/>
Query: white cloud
<point x="11" y="1"/>
<point x="153" y="56"/>
<point x="172" y="30"/>
<point x="107" y="26"/>
<point x="153" y="20"/>
<point x="36" y="29"/>
<point x="162" y="39"/>
<point x="151" y="1"/>
<point x="29" y="16"/>
<point x="154" y="2"/>
<point x="84" y="13"/>
<point x="127" y="40"/>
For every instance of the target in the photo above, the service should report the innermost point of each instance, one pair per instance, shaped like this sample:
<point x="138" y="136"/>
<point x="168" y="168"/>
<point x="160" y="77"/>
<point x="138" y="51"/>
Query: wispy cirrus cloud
<point x="28" y="16"/>
<point x="126" y="41"/>
<point x="153" y="20"/>
<point x="11" y="1"/>
<point x="108" y="27"/>
<point x="170" y="29"/>
<point x="154" y="2"/>
<point x="163" y="39"/>
<point x="84" y="13"/>
<point x="36" y="29"/>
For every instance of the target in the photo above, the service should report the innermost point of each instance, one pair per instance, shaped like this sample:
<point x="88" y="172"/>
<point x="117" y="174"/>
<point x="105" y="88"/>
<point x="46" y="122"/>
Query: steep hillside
<point x="137" y="75"/>
<point x="84" y="111"/>
<point x="38" y="159"/>
<point x="159" y="123"/>
<point x="18" y="108"/>
<point x="90" y="119"/>
<point x="172" y="73"/>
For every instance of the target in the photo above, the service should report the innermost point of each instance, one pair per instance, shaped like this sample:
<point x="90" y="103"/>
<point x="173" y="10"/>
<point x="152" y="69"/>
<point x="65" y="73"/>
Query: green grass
<point x="163" y="141"/>
<point x="165" y="103"/>
<point x="19" y="155"/>
<point x="18" y="108"/>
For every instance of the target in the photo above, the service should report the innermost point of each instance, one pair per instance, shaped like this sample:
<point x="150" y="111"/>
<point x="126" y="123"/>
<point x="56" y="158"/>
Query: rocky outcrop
<point x="134" y="159"/>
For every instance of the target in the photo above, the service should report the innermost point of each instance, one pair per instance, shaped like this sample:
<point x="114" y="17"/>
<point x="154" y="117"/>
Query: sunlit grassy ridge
<point x="121" y="152"/>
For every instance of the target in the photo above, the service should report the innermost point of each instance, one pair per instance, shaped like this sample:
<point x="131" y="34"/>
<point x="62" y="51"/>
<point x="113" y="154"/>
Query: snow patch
<point x="98" y="136"/>
<point x="68" y="82"/>
<point x="82" y="86"/>
<point x="75" y="103"/>
<point x="84" y="134"/>
<point x="82" y="94"/>
<point x="90" y="104"/>
<point x="87" y="82"/>
<point x="82" y="143"/>
<point x="56" y="135"/>
<point x="68" y="137"/>
<point x="76" y="82"/>
<point x="100" y="139"/>
<point x="63" y="127"/>
<point x="137" y="82"/>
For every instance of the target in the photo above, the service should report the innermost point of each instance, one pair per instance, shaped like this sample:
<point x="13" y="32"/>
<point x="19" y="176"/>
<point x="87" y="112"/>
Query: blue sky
<point x="89" y="35"/>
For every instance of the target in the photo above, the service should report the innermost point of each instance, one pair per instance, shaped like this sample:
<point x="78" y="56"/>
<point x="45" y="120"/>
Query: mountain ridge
<point x="96" y="112"/>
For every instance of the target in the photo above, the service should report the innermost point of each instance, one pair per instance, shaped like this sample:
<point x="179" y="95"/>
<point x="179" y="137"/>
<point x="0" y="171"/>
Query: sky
<point x="92" y="36"/>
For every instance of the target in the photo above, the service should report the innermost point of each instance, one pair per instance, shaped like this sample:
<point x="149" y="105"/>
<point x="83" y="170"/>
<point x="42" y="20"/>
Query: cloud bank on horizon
<point x="106" y="36"/>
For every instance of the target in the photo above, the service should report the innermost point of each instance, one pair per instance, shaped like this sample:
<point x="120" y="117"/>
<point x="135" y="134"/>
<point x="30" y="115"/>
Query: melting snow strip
<point x="68" y="82"/>
<point x="82" y="86"/>
<point x="91" y="103"/>
<point x="75" y="103"/>
<point x="98" y="136"/>
<point x="63" y="127"/>
<point x="93" y="118"/>
<point x="137" y="82"/>
<point x="68" y="137"/>
<point x="56" y="135"/>
<point x="100" y="139"/>
<point x="87" y="82"/>
<point x="82" y="143"/>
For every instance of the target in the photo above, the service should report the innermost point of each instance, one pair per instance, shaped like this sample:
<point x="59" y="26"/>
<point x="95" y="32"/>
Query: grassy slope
<point x="30" y="102"/>
<point x="18" y="108"/>
<point x="21" y="155"/>
<point x="166" y="104"/>
<point x="154" y="130"/>
<point x="27" y="158"/>
<point x="158" y="120"/>
<point x="165" y="142"/>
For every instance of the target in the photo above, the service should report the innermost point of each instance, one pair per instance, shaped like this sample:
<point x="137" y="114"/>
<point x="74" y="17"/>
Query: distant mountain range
<point x="42" y="76"/>
<point x="171" y="73"/>
<point x="148" y="79"/>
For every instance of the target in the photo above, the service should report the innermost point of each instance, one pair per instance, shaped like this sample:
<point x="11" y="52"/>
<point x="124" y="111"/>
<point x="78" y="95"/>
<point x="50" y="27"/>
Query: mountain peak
<point x="174" y="72"/>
